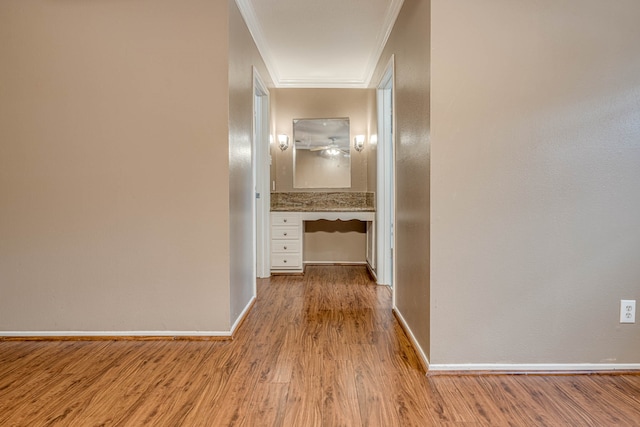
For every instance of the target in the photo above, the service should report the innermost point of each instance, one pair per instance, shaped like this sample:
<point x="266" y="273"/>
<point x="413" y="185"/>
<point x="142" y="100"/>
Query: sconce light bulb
<point x="283" y="141"/>
<point x="358" y="143"/>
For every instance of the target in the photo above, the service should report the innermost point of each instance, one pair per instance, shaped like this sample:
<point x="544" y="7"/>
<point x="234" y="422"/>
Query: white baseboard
<point x="534" y="367"/>
<point x="412" y="338"/>
<point x="335" y="263"/>
<point x="133" y="334"/>
<point x="244" y="313"/>
<point x="372" y="271"/>
<point x="33" y="334"/>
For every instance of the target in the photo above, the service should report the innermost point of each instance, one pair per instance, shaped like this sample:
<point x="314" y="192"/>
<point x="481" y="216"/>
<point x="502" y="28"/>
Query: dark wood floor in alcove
<point x="321" y="349"/>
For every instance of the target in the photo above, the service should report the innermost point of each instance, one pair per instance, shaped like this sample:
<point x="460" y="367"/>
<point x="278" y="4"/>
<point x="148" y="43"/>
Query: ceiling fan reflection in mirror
<point x="332" y="149"/>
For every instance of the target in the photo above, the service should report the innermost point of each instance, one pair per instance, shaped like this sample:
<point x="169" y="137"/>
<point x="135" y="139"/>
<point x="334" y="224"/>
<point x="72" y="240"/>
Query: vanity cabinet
<point x="287" y="236"/>
<point x="286" y="242"/>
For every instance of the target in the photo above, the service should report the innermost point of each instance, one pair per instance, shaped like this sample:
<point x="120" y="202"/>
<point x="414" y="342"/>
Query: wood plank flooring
<point x="321" y="349"/>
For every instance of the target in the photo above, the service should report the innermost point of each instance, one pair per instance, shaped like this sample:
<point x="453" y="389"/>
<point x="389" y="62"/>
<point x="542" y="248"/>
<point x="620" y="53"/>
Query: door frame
<point x="385" y="186"/>
<point x="260" y="162"/>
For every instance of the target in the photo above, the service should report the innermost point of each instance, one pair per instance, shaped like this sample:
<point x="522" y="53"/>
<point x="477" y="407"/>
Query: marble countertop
<point x="321" y="209"/>
<point x="337" y="201"/>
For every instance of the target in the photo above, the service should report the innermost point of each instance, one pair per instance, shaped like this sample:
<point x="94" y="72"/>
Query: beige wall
<point x="289" y="104"/>
<point x="409" y="42"/>
<point x="536" y="181"/>
<point x="335" y="242"/>
<point x="372" y="143"/>
<point x="243" y="56"/>
<point x="114" y="172"/>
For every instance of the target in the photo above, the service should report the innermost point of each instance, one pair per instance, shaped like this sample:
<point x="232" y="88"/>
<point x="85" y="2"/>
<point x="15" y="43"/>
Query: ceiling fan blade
<point x="319" y="148"/>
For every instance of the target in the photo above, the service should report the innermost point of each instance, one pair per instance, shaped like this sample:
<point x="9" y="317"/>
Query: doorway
<point x="385" y="200"/>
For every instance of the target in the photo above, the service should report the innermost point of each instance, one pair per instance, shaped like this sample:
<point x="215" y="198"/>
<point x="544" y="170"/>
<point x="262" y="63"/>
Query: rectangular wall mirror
<point x="321" y="155"/>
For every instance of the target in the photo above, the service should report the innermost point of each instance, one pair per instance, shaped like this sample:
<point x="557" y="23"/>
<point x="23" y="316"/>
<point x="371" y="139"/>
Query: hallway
<point x="321" y="349"/>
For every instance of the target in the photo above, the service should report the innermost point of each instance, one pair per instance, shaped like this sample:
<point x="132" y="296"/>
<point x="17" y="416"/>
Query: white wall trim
<point x="372" y="271"/>
<point x="412" y="338"/>
<point x="253" y="24"/>
<point x="385" y="31"/>
<point x="260" y="164"/>
<point x="385" y="180"/>
<point x="244" y="313"/>
<point x="322" y="83"/>
<point x="335" y="262"/>
<point x="35" y="334"/>
<point x="533" y="367"/>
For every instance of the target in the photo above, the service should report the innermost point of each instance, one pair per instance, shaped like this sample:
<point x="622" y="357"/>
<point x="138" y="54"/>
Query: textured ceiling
<point x="320" y="43"/>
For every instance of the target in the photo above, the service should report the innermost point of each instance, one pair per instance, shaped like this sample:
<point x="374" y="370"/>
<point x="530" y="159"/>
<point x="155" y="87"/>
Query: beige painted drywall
<point x="243" y="56"/>
<point x="535" y="181"/>
<point x="335" y="241"/>
<point x="114" y="166"/>
<point x="372" y="142"/>
<point x="409" y="43"/>
<point x="289" y="104"/>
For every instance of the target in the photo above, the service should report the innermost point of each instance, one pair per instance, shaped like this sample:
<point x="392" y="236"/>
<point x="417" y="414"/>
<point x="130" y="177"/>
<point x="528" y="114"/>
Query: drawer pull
<point x="285" y="261"/>
<point x="285" y="220"/>
<point x="285" y="248"/>
<point x="284" y="234"/>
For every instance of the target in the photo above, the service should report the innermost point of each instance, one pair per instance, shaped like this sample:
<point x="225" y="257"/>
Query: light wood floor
<point x="319" y="350"/>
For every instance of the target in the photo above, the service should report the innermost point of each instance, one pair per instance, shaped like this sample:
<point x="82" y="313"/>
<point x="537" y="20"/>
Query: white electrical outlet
<point x="628" y="311"/>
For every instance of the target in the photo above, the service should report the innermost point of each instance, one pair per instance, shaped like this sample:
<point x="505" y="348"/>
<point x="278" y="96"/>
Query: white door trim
<point x="385" y="200"/>
<point x="261" y="177"/>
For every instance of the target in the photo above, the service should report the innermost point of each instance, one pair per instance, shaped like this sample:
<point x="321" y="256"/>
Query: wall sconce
<point x="283" y="141"/>
<point x="358" y="143"/>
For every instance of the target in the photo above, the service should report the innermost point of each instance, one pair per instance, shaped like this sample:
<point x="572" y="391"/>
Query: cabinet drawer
<point x="289" y="246"/>
<point x="285" y="261"/>
<point x="285" y="219"/>
<point x="285" y="232"/>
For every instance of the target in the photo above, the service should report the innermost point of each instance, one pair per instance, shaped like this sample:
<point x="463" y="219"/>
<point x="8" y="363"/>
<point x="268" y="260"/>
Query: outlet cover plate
<point x="628" y="311"/>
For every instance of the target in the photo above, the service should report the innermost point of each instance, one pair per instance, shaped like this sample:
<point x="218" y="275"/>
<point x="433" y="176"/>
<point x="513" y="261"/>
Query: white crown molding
<point x="321" y="83"/>
<point x="251" y="20"/>
<point x="383" y="36"/>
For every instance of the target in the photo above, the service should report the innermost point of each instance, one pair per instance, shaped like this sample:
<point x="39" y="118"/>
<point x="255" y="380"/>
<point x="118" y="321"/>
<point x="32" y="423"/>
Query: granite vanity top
<point x="335" y="201"/>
